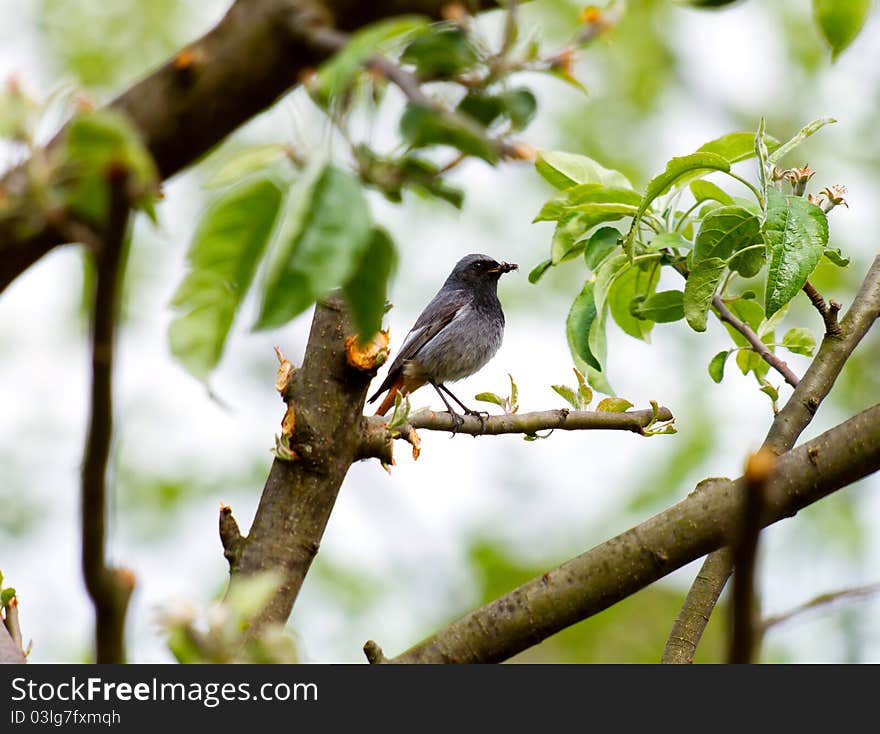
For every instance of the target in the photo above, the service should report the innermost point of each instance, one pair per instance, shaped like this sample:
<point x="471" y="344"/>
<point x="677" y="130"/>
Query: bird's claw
<point x="482" y="415"/>
<point x="457" y="422"/>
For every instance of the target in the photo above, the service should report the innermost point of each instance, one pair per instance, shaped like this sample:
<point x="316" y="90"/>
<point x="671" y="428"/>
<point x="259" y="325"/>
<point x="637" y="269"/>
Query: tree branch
<point x="11" y="643"/>
<point x="744" y="611"/>
<point x="828" y="311"/>
<point x="797" y="413"/>
<point x="754" y="340"/>
<point x="328" y="394"/>
<point x="827" y="364"/>
<point x="833" y="597"/>
<point x="109" y="588"/>
<point x="697" y="608"/>
<point x="255" y="54"/>
<point x="702" y="522"/>
<point x="377" y="438"/>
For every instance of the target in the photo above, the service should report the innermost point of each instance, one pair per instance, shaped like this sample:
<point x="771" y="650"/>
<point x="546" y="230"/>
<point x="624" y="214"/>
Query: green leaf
<point x="805" y="132"/>
<point x="634" y="283"/>
<point x="770" y="391"/>
<point x="611" y="269"/>
<point x="669" y="240"/>
<point x="750" y="361"/>
<point x="93" y="144"/>
<point x="601" y="244"/>
<point x="321" y="243"/>
<point x="716" y="366"/>
<point x="422" y="127"/>
<point x="367" y="289"/>
<point x="796" y="233"/>
<point x="520" y="107"/>
<point x="482" y="107"/>
<point x="441" y="50"/>
<point x="223" y="257"/>
<point x="724" y="232"/>
<point x="678" y="167"/>
<point x="699" y="289"/>
<point x="490" y="397"/>
<point x="564" y="170"/>
<point x="749" y="311"/>
<point x="6" y="596"/>
<point x="337" y="75"/>
<point x="567" y="394"/>
<point x="706" y="190"/>
<point x="567" y="239"/>
<point x="736" y="147"/>
<point x="840" y="21"/>
<point x="800" y="341"/>
<point x="245" y="163"/>
<point x="675" y="169"/>
<point x="613" y="405"/>
<point x="663" y="307"/>
<point x="579" y="324"/>
<point x="539" y="270"/>
<point x="836" y="256"/>
<point x="584" y="197"/>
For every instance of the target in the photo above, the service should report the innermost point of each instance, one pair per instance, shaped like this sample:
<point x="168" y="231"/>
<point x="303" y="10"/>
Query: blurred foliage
<point x="107" y="45"/>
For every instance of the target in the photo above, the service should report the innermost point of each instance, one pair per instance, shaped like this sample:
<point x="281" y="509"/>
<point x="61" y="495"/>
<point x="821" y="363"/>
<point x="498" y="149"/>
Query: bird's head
<point x="476" y="270"/>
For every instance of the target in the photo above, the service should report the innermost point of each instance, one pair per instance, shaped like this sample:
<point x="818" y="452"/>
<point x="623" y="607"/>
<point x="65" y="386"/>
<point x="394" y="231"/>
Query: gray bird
<point x="455" y="336"/>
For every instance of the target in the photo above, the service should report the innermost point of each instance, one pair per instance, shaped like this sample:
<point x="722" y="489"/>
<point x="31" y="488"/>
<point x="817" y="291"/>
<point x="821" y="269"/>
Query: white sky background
<point x="409" y="530"/>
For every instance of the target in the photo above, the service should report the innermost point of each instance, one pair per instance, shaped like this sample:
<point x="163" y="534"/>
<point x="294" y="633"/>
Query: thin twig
<point x="109" y="588"/>
<point x="832" y="597"/>
<point x="759" y="470"/>
<point x="828" y="311"/>
<point x="754" y="340"/>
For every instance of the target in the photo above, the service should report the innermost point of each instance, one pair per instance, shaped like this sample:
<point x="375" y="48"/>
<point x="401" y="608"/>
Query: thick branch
<point x="697" y="608"/>
<point x="702" y="522"/>
<point x="754" y="340"/>
<point x="797" y="413"/>
<point x="827" y="364"/>
<point x="328" y="394"/>
<point x="254" y="55"/>
<point x="109" y="588"/>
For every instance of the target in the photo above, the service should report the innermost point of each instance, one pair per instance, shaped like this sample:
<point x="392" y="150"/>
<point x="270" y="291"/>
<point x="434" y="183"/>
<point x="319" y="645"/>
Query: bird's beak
<point x="504" y="268"/>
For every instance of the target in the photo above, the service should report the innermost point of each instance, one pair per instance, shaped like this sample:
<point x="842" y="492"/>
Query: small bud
<point x="455" y="12"/>
<point x="834" y="194"/>
<point x="519" y="151"/>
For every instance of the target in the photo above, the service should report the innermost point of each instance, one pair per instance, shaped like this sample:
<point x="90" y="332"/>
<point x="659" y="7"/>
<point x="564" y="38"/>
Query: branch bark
<point x="754" y="340"/>
<point x="254" y="55"/>
<point x="377" y="438"/>
<point x="697" y="608"/>
<point x="328" y="394"/>
<point x="702" y="522"/>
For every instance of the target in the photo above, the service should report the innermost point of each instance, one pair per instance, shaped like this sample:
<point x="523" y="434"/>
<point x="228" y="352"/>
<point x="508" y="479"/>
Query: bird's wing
<point x="436" y="316"/>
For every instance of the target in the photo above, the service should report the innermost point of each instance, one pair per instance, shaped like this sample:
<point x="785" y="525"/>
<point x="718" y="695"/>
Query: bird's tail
<point x="388" y="402"/>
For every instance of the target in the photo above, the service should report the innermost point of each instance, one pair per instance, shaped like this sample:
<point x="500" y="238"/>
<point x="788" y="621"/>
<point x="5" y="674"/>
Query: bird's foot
<point x="457" y="422"/>
<point x="482" y="415"/>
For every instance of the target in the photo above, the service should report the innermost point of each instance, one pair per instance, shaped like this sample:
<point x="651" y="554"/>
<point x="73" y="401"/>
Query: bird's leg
<point x="481" y="414"/>
<point x="457" y="420"/>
